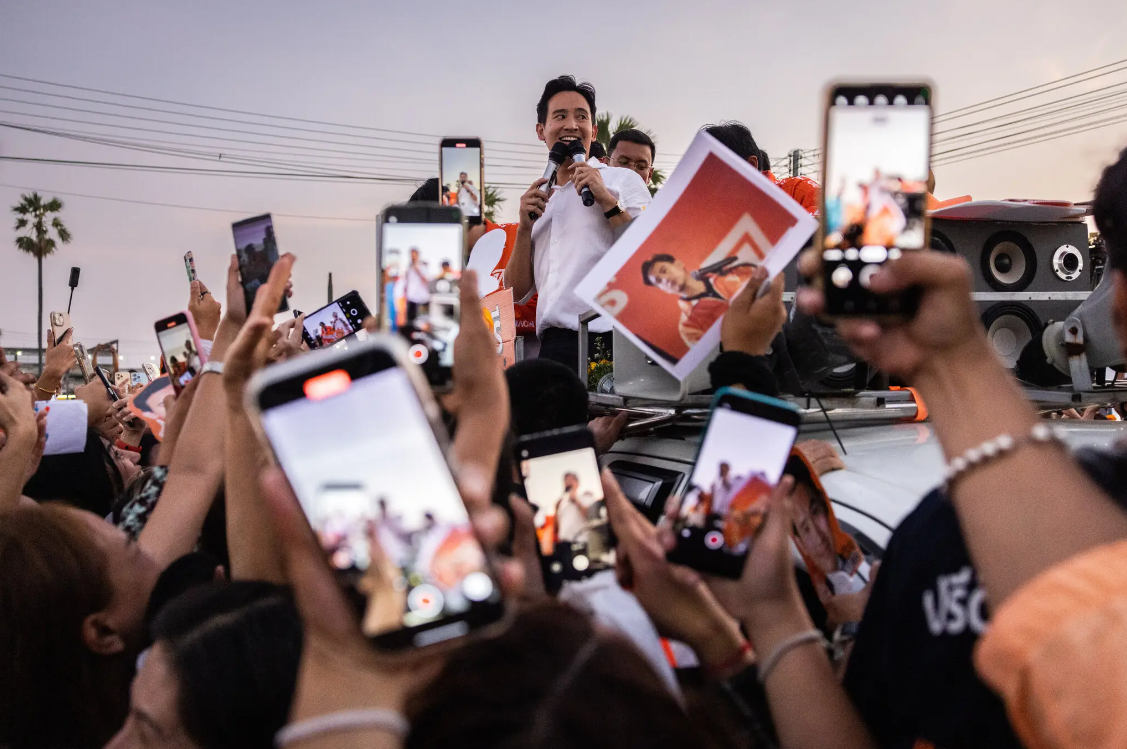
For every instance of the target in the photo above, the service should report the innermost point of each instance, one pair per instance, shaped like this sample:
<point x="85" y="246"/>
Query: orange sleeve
<point x="1055" y="653"/>
<point x="525" y="313"/>
<point x="804" y="190"/>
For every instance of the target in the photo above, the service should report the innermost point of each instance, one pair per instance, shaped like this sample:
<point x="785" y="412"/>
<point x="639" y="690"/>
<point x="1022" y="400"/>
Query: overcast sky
<point x="469" y="69"/>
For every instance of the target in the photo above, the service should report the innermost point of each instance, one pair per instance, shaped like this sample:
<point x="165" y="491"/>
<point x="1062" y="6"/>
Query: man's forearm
<point x="518" y="273"/>
<point x="1025" y="511"/>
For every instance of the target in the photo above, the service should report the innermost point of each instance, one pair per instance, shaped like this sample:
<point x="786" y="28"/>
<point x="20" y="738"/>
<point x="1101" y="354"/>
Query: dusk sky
<point x="458" y="69"/>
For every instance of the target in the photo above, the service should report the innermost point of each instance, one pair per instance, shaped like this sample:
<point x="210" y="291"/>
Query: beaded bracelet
<point x="992" y="449"/>
<point x="379" y="719"/>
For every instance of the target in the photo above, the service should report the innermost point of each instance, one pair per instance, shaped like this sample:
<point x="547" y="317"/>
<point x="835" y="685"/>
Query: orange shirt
<point x="803" y="190"/>
<point x="698" y="315"/>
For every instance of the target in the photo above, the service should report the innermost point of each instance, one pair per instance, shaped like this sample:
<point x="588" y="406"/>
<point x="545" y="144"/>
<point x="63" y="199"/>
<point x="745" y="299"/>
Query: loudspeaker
<point x="1026" y="275"/>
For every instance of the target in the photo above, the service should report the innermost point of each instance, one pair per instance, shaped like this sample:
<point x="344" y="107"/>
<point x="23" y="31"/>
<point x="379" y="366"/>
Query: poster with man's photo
<point x="667" y="282"/>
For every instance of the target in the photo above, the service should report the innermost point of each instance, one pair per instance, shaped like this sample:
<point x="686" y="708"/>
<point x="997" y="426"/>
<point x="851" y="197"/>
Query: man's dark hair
<point x="428" y="192"/>
<point x="597" y="151"/>
<point x="647" y="266"/>
<point x="561" y="85"/>
<point x="545" y="395"/>
<point x="764" y="161"/>
<point x="633" y="135"/>
<point x="736" y="137"/>
<point x="1109" y="208"/>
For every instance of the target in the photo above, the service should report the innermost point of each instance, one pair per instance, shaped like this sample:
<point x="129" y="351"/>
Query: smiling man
<point x="703" y="295"/>
<point x="559" y="239"/>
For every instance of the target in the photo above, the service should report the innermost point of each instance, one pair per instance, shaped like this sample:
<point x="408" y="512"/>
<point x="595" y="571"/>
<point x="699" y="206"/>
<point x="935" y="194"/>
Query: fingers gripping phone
<point x="335" y="322"/>
<point x="742" y="454"/>
<point x="877" y="151"/>
<point x="257" y="250"/>
<point x="462" y="176"/>
<point x="560" y="470"/>
<point x="358" y="435"/>
<point x="60" y="324"/>
<point x="105" y="378"/>
<point x="180" y="345"/>
<point x="421" y="253"/>
<point x="83" y="362"/>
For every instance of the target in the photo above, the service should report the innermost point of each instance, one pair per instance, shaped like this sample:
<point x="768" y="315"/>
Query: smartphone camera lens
<point x="352" y="312"/>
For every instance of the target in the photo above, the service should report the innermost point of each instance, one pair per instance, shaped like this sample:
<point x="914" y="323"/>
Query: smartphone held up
<point x="462" y="177"/>
<point x="358" y="434"/>
<point x="256" y="248"/>
<point x="742" y="455"/>
<point x="180" y="346"/>
<point x="335" y="322"/>
<point x="877" y="151"/>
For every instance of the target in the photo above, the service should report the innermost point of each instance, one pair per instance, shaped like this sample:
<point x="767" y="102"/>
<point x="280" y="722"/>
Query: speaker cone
<point x="1009" y="261"/>
<point x="1009" y="328"/>
<point x="940" y="242"/>
<point x="1067" y="263"/>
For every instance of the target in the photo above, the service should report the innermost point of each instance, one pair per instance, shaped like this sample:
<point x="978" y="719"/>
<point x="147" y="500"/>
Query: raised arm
<point x="518" y="273"/>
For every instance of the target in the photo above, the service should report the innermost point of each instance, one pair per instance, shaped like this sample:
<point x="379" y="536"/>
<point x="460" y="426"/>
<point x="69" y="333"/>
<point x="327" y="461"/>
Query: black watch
<point x="617" y="209"/>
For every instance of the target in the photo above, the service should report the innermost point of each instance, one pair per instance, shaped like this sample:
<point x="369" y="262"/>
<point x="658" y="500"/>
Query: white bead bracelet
<point x="995" y="448"/>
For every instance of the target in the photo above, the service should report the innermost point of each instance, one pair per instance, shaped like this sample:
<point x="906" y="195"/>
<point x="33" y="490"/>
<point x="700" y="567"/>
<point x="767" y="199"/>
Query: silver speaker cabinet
<point x="1026" y="274"/>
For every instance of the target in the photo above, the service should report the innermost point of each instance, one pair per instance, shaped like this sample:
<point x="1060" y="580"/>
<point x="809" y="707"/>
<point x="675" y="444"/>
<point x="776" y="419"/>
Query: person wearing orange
<point x="704" y="294"/>
<point x="739" y="140"/>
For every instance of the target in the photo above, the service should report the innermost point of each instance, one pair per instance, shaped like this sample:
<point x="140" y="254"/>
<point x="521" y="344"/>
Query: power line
<point x="1035" y="107"/>
<point x="1043" y="138"/>
<point x="1011" y="136"/>
<point x="185" y="207"/>
<point x="137" y="97"/>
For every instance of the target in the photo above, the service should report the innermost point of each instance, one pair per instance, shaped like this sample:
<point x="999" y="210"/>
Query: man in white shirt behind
<point x="558" y="238"/>
<point x="416" y="287"/>
<point x="468" y="199"/>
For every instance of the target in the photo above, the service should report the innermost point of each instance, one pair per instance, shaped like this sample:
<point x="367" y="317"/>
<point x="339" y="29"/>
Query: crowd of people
<point x="171" y="593"/>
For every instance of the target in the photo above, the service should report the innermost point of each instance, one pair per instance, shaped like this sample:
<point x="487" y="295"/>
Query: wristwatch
<point x="212" y="366"/>
<point x="617" y="209"/>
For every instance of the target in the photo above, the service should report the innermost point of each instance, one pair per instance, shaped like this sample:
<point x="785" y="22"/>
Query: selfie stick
<point x="74" y="271"/>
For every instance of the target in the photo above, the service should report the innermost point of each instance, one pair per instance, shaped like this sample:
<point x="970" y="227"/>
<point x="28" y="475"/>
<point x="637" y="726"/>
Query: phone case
<point x="121" y="379"/>
<point x="60" y="323"/>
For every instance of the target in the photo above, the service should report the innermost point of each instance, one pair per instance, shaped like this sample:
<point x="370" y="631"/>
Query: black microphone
<point x="579" y="156"/>
<point x="74" y="271"/>
<point x="557" y="156"/>
<point x="721" y="267"/>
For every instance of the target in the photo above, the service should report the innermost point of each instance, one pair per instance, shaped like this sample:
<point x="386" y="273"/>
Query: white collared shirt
<point x="569" y="239"/>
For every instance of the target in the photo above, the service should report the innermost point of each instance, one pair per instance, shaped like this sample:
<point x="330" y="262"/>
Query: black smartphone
<point x="335" y="322"/>
<point x="876" y="156"/>
<point x="421" y="253"/>
<point x="105" y="378"/>
<point x="560" y="470"/>
<point x="257" y="251"/>
<point x="360" y="438"/>
<point x="462" y="176"/>
<point x="742" y="454"/>
<point x="180" y="346"/>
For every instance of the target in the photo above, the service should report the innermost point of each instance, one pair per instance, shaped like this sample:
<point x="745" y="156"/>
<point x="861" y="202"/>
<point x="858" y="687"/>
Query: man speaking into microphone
<point x="569" y="220"/>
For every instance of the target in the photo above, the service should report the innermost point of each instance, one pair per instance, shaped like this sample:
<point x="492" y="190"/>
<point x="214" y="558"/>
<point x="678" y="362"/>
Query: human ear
<point x="100" y="636"/>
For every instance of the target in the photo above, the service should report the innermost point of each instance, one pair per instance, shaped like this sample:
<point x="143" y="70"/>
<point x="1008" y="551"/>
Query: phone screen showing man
<point x="572" y="527"/>
<point x="372" y="480"/>
<point x="257" y="251"/>
<point x="741" y="459"/>
<point x="460" y="183"/>
<point x="422" y="265"/>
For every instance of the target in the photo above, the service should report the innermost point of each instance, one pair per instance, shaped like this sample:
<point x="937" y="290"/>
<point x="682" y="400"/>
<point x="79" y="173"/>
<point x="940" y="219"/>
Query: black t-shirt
<point x="911" y="673"/>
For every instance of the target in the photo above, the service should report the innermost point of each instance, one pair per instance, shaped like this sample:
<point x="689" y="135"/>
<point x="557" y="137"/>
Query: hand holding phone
<point x="335" y="322"/>
<point x="60" y="324"/>
<point x="180" y="345"/>
<point x="257" y="251"/>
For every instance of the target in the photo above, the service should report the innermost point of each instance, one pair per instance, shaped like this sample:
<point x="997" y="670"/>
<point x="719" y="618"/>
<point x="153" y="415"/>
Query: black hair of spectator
<point x="235" y="648"/>
<point x="89" y="480"/>
<point x="561" y="85"/>
<point x="545" y="395"/>
<point x="551" y="680"/>
<point x="1109" y="208"/>
<point x="597" y="151"/>
<point x="648" y="265"/>
<point x="736" y="137"/>
<point x="190" y="570"/>
<point x="764" y="161"/>
<point x="633" y="135"/>
<point x="426" y="192"/>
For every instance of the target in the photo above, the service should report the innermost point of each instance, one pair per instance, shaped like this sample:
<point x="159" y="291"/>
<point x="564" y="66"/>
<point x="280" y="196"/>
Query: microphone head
<point x="576" y="148"/>
<point x="559" y="153"/>
<point x="74" y="271"/>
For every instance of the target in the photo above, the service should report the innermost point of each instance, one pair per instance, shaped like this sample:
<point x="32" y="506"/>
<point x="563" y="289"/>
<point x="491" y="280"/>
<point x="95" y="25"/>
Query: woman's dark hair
<point x="426" y="192"/>
<point x="1109" y="208"/>
<point x="551" y="680"/>
<point x="55" y="693"/>
<point x="736" y="137"/>
<point x="561" y="85"/>
<point x="544" y="395"/>
<point x="89" y="480"/>
<point x="234" y="648"/>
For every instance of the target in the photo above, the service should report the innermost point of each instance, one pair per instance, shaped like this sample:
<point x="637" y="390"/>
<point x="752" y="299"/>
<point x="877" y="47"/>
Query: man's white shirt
<point x="569" y="239"/>
<point x="417" y="289"/>
<point x="467" y="200"/>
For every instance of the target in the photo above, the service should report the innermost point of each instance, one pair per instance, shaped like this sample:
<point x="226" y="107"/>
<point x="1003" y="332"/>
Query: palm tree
<point x="493" y="201"/>
<point x="604" y="131"/>
<point x="33" y="215"/>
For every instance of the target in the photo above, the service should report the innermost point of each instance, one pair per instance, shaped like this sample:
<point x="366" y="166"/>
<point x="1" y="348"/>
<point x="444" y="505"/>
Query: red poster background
<point x="714" y="200"/>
